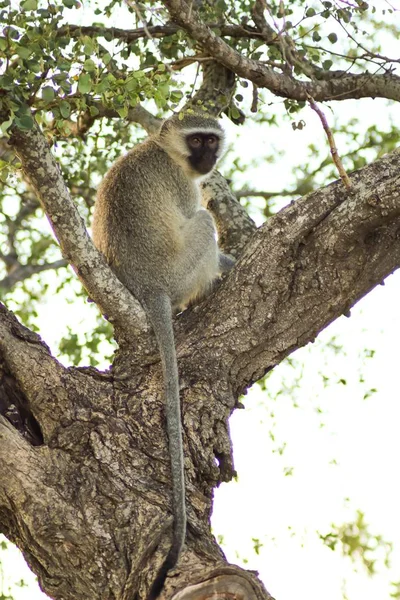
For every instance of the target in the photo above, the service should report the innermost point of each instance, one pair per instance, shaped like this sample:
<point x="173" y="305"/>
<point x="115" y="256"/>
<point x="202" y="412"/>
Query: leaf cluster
<point x="358" y="543"/>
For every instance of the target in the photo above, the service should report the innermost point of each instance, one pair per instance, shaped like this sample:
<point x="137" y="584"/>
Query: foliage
<point x="357" y="543"/>
<point x="5" y="588"/>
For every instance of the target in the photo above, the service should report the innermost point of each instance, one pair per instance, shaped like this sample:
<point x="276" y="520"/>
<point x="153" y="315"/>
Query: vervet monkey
<point x="149" y="224"/>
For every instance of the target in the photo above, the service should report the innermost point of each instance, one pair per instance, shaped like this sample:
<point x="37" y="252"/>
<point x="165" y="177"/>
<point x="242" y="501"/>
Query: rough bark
<point x="85" y="491"/>
<point x="335" y="85"/>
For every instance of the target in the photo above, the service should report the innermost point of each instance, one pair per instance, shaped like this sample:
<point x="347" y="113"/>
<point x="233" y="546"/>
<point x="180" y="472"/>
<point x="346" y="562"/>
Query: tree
<point x="84" y="487"/>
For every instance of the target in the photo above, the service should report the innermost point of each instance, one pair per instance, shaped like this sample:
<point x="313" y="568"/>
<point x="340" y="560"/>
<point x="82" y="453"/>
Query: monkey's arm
<point x="196" y="266"/>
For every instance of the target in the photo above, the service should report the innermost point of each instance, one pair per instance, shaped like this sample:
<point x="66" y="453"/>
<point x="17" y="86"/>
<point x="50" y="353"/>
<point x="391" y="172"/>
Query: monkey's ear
<point x="165" y="127"/>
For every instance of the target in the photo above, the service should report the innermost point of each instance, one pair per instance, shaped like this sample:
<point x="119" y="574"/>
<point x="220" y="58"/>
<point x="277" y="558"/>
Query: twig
<point x="22" y="272"/>
<point x="335" y="155"/>
<point x="254" y="104"/>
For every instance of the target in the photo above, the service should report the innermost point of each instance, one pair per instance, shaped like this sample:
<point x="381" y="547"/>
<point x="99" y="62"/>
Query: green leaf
<point x="84" y="83"/>
<point x="123" y="111"/>
<point x="316" y="37"/>
<point x="35" y="66"/>
<point x="4" y="173"/>
<point x="24" y="51"/>
<point x="332" y="37"/>
<point x="13" y="106"/>
<point x="66" y="86"/>
<point x="89" y="46"/>
<point x="131" y="85"/>
<point x="176" y="95"/>
<point x="103" y="85"/>
<point x="310" y="12"/>
<point x="12" y="33"/>
<point x="29" y="5"/>
<point x="159" y="99"/>
<point x="327" y="64"/>
<point x="138" y="74"/>
<point x="89" y="65"/>
<point x="6" y="81"/>
<point x="24" y="122"/>
<point x="234" y="113"/>
<point x="6" y="124"/>
<point x="64" y="65"/>
<point x="48" y="94"/>
<point x="65" y="109"/>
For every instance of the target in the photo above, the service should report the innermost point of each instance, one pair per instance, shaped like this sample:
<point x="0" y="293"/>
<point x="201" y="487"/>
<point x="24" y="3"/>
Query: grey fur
<point x="149" y="224"/>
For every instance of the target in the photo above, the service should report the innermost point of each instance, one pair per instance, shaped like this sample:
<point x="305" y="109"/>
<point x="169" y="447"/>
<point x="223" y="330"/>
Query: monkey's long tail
<point x="160" y="313"/>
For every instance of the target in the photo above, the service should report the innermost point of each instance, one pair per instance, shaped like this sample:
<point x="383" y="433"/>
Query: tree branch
<point x="247" y="193"/>
<point x="234" y="225"/>
<point x="304" y="268"/>
<point x="22" y="272"/>
<point x="334" y="87"/>
<point x="104" y="288"/>
<point x="39" y="375"/>
<point x="216" y="91"/>
<point x="157" y="31"/>
<point x="19" y="465"/>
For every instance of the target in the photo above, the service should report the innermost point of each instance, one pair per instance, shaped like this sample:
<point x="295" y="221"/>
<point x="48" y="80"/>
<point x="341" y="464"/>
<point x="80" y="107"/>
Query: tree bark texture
<point x="84" y="468"/>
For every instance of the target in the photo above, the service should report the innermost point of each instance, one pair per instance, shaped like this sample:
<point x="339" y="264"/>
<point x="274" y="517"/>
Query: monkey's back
<point x="141" y="208"/>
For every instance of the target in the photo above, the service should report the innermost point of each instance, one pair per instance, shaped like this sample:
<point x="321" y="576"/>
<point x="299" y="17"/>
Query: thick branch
<point x="136" y="114"/>
<point x="234" y="225"/>
<point x="342" y="87"/>
<point x="156" y="31"/>
<point x="105" y="289"/>
<point x="304" y="268"/>
<point x="19" y="468"/>
<point x="216" y="90"/>
<point x="39" y="375"/>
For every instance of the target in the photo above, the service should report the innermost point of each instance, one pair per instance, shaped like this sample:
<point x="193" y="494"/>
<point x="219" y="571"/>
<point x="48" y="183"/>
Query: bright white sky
<point x="342" y="459"/>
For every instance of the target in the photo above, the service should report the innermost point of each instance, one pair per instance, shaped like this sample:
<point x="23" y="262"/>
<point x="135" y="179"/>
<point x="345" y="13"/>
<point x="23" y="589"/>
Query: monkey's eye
<point x="195" y="141"/>
<point x="212" y="141"/>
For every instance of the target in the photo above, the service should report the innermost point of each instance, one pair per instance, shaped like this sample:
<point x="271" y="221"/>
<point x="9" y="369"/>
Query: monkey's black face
<point x="203" y="151"/>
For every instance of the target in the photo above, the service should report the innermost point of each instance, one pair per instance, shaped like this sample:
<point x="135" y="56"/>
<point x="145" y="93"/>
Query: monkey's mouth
<point x="203" y="165"/>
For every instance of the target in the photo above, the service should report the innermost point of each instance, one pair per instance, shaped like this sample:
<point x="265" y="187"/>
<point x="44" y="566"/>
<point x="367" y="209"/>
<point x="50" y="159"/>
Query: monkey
<point x="149" y="225"/>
